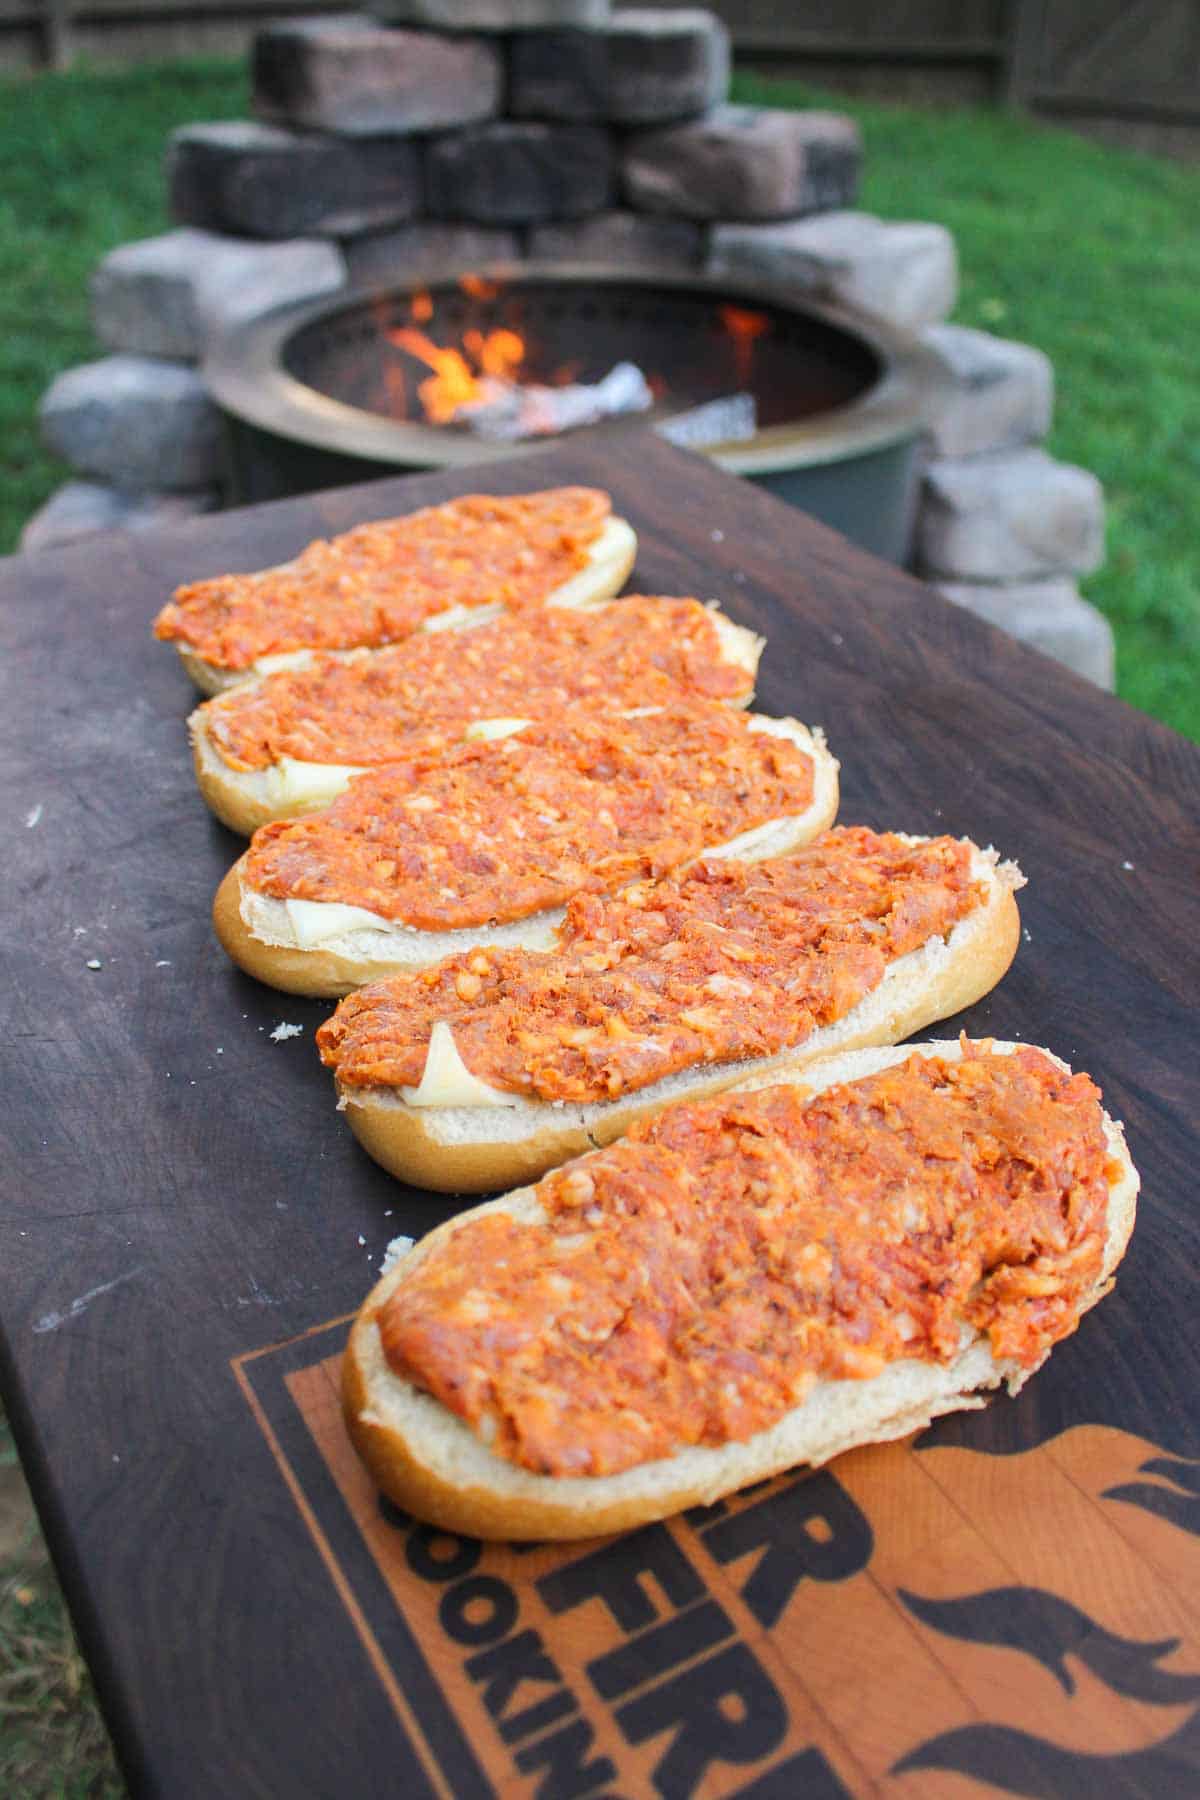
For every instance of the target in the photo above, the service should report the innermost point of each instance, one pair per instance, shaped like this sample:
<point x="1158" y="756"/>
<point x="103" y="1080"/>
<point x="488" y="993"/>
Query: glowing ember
<point x="743" y="327"/>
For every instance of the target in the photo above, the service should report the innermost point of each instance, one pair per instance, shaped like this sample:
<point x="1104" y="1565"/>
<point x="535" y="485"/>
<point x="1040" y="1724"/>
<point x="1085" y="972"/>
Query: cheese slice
<point x="446" y="1079"/>
<point x="315" y="921"/>
<point x="290" y="782"/>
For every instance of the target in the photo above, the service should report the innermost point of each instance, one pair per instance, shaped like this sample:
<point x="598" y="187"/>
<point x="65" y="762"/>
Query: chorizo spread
<point x="630" y="653"/>
<point x="728" y="960"/>
<point x="689" y="1284"/>
<point x="379" y="582"/>
<point x="489" y="832"/>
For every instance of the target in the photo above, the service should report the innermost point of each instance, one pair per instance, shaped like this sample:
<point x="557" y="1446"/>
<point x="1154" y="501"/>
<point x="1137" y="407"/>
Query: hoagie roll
<point x="487" y="842"/>
<point x="744" y="1283"/>
<point x="380" y="582"/>
<point x="289" y="743"/>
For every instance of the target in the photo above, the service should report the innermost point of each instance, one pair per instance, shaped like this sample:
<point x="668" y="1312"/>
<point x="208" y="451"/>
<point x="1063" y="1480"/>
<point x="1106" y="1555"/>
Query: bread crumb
<point x="362" y="1240"/>
<point x="163" y="963"/>
<point x="33" y="816"/>
<point x="94" y="962"/>
<point x="399" y="1246"/>
<point x="282" y="1032"/>
<point x="1127" y="865"/>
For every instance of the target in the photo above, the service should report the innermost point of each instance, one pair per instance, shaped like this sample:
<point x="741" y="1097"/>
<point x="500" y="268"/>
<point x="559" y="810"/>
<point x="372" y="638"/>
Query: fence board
<point x="1102" y="62"/>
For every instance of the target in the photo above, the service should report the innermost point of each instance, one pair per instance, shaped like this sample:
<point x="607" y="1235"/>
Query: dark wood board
<point x="178" y="1194"/>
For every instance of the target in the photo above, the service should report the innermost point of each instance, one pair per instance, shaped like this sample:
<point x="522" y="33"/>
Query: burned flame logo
<point x="1050" y="1630"/>
<point x="1178" y="1505"/>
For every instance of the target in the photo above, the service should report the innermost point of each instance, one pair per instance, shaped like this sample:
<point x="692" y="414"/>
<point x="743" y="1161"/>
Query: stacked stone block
<point x="905" y="274"/>
<point x="1004" y="529"/>
<point x="426" y="137"/>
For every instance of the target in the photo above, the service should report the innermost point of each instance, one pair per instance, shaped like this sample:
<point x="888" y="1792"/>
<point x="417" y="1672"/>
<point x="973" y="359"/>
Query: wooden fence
<point x="41" y="34"/>
<point x="1125" y="66"/>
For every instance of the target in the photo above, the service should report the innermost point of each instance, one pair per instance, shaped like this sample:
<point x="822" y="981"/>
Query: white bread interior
<point x="256" y="931"/>
<point x="475" y="1149"/>
<point x="244" y="799"/>
<point x="609" y="560"/>
<point x="433" y="1465"/>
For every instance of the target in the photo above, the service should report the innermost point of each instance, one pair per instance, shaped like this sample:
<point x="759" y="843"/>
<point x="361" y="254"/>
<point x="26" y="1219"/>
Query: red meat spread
<point x="380" y="582"/>
<point x="492" y="831"/>
<point x="635" y="652"/>
<point x="690" y="1283"/>
<point x="729" y="960"/>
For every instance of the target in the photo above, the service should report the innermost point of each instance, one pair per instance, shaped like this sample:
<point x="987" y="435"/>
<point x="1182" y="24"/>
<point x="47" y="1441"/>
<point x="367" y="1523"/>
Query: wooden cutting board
<point x="1008" y="1604"/>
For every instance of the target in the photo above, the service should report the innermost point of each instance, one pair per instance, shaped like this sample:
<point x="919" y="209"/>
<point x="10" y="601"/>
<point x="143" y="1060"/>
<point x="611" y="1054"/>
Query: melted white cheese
<point x="446" y="1079"/>
<point x="316" y="921"/>
<point x="290" y="782"/>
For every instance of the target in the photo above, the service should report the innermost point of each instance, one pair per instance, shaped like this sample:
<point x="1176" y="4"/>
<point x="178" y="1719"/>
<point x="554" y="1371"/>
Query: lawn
<point x="1090" y="253"/>
<point x="1093" y="255"/>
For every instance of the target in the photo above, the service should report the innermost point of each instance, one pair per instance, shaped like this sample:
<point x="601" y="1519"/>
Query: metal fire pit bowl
<point x="310" y="393"/>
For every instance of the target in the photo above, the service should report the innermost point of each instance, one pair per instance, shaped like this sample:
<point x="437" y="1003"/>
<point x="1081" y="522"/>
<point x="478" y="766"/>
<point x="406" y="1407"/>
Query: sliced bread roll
<point x="330" y="945"/>
<point x="942" y="1295"/>
<point x="435" y="569"/>
<point x="455" y="1133"/>
<point x="289" y="743"/>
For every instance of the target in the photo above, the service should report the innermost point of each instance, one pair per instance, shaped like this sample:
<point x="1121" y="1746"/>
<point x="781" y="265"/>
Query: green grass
<point x="82" y="156"/>
<point x="52" y="1743"/>
<point x="1090" y="253"/>
<point x="1093" y="255"/>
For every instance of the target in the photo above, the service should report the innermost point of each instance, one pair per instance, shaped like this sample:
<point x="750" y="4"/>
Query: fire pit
<point x="323" y="394"/>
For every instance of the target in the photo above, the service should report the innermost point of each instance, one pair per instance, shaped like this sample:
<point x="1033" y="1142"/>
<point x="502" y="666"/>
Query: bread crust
<point x="328" y="974"/>
<point x="226" y="792"/>
<point x="406" y="1140"/>
<point x="235" y="795"/>
<point x="613" y="556"/>
<point x="429" y="1462"/>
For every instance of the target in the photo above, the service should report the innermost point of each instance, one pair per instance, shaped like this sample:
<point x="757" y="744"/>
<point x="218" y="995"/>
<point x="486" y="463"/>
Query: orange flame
<point x="479" y="287"/>
<point x="743" y="327"/>
<point x="454" y="382"/>
<point x="499" y="353"/>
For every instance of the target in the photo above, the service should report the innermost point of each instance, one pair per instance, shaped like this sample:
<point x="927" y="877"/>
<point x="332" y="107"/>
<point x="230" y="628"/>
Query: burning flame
<point x="743" y="327"/>
<point x="460" y="375"/>
<point x="481" y="374"/>
<point x="454" y="382"/>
